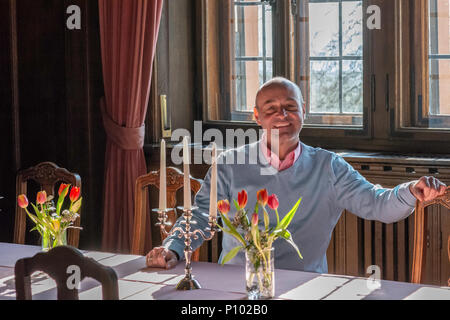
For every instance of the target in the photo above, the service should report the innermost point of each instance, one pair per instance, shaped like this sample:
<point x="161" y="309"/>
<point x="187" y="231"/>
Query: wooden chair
<point x="175" y="180"/>
<point x="47" y="175"/>
<point x="420" y="227"/>
<point x="55" y="263"/>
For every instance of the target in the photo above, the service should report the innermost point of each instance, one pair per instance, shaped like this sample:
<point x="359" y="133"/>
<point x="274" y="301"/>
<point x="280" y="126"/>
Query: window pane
<point x="253" y="52"/>
<point x="439" y="87"/>
<point x="439" y="27"/>
<point x="435" y="113"/>
<point x="352" y="86"/>
<point x="247" y="31"/>
<point x="352" y="28"/>
<point x="324" y="29"/>
<point x="267" y="32"/>
<point x="248" y="81"/>
<point x="335" y="63"/>
<point x="324" y="87"/>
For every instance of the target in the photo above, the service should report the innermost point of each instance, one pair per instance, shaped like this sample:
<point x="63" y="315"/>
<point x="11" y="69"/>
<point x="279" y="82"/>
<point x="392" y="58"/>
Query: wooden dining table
<point x="137" y="282"/>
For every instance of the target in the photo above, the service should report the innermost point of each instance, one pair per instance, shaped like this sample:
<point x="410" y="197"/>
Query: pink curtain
<point x="128" y="31"/>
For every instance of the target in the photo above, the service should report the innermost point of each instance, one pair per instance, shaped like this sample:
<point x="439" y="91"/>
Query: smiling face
<point x="279" y="106"/>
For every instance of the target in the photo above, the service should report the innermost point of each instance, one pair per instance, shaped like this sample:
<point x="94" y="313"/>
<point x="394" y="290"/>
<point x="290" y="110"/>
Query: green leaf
<point x="230" y="255"/>
<point x="232" y="230"/>
<point x="76" y="205"/>
<point x="285" y="234"/>
<point x="61" y="199"/>
<point x="236" y="204"/>
<point x="266" y="219"/>
<point x="36" y="209"/>
<point x="33" y="218"/>
<point x="284" y="223"/>
<point x="255" y="236"/>
<point x="44" y="221"/>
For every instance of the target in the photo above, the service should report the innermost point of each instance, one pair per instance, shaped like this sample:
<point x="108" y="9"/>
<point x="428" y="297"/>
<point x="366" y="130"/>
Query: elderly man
<point x="324" y="180"/>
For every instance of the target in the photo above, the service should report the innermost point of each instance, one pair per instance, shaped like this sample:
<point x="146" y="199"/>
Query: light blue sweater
<point x="327" y="185"/>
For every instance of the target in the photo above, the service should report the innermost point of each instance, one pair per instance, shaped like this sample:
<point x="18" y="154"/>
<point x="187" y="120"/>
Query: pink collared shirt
<point x="274" y="161"/>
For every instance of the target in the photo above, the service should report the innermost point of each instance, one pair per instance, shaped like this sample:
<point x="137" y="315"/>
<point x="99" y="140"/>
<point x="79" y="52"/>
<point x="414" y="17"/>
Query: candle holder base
<point x="188" y="283"/>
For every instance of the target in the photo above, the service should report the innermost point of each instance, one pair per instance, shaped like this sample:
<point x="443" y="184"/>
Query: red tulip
<point x="273" y="202"/>
<point x="74" y="194"/>
<point x="242" y="199"/>
<point x="61" y="189"/>
<point x="262" y="197"/>
<point x="41" y="197"/>
<point x="223" y="206"/>
<point x="22" y="201"/>
<point x="255" y="219"/>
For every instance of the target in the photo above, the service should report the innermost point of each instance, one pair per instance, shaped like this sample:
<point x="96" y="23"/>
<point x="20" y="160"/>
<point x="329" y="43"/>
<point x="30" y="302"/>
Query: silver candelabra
<point x="188" y="282"/>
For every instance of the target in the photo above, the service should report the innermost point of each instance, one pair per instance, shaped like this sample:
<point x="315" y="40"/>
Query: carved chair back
<point x="420" y="227"/>
<point x="175" y="181"/>
<point x="47" y="175"/>
<point x="60" y="263"/>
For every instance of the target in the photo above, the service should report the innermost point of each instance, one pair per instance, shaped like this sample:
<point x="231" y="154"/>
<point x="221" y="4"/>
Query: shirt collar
<point x="273" y="159"/>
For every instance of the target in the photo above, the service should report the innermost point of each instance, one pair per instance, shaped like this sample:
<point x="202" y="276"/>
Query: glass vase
<point x="49" y="242"/>
<point x="46" y="241"/>
<point x="260" y="273"/>
<point x="61" y="239"/>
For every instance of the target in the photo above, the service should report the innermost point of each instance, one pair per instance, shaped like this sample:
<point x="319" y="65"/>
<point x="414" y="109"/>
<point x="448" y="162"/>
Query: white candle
<point x="213" y="185"/>
<point x="162" y="178"/>
<point x="187" y="179"/>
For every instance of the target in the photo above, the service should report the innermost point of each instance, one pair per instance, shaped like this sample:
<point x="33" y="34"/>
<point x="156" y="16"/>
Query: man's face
<point x="279" y="107"/>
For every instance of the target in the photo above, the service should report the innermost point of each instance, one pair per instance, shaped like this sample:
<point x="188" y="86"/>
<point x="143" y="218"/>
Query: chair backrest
<point x="47" y="175"/>
<point x="59" y="263"/>
<point x="175" y="181"/>
<point x="448" y="252"/>
<point x="420" y="227"/>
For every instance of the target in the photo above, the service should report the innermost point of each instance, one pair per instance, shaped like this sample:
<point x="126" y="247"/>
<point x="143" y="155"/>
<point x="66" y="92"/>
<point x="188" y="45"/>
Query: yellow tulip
<point x="56" y="224"/>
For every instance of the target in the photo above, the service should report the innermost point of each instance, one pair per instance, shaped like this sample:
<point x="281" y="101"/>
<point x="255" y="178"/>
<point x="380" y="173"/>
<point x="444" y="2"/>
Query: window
<point x="253" y="54"/>
<point x="439" y="58"/>
<point x="430" y="66"/>
<point x="371" y="88"/>
<point x="335" y="63"/>
<point x="332" y="65"/>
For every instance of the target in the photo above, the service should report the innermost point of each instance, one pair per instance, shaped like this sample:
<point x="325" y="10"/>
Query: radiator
<point x="357" y="244"/>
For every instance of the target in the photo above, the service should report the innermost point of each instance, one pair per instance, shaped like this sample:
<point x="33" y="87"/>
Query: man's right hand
<point x="161" y="257"/>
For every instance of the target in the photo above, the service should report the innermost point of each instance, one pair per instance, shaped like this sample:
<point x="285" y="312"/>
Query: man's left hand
<point x="427" y="188"/>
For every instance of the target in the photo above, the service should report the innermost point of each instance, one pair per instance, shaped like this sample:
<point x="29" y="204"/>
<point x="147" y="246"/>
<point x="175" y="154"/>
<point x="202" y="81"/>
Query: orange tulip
<point x="262" y="197"/>
<point x="61" y="189"/>
<point x="242" y="199"/>
<point x="22" y="201"/>
<point x="74" y="194"/>
<point x="273" y="202"/>
<point x="223" y="206"/>
<point x="41" y="197"/>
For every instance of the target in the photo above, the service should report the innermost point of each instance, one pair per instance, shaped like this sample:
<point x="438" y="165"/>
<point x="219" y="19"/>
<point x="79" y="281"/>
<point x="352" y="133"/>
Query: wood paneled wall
<point x="51" y="83"/>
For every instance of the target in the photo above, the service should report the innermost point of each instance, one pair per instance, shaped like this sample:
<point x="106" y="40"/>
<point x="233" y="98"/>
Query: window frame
<point x="385" y="78"/>
<point x="411" y="53"/>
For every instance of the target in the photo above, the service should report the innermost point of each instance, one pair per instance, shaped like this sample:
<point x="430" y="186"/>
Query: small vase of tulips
<point x="257" y="241"/>
<point x="52" y="221"/>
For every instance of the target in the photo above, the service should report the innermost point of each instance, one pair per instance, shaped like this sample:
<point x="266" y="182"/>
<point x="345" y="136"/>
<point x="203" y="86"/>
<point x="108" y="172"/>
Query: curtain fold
<point x="128" y="33"/>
